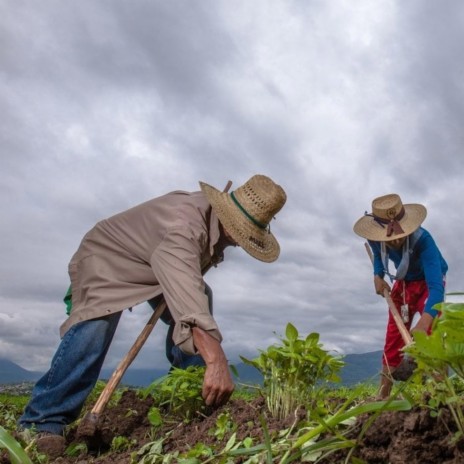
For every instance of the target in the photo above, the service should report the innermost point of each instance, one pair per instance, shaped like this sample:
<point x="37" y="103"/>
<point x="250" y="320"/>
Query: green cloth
<point x="68" y="301"/>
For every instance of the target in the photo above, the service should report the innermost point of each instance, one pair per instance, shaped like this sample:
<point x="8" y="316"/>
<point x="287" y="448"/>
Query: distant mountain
<point x="12" y="373"/>
<point x="363" y="367"/>
<point x="136" y="377"/>
<point x="143" y="377"/>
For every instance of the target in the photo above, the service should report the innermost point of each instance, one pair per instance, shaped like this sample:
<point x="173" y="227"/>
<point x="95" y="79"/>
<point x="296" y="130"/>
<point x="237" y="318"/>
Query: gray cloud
<point x="107" y="104"/>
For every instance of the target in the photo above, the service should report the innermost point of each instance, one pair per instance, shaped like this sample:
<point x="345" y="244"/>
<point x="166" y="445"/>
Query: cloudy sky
<point x="106" y="104"/>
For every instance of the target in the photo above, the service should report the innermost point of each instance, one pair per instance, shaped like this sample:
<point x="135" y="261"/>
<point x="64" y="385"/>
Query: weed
<point x="11" y="407"/>
<point x="154" y="417"/>
<point x="120" y="444"/>
<point x="76" y="449"/>
<point x="224" y="425"/>
<point x="180" y="392"/>
<point x="151" y="453"/>
<point x="438" y="353"/>
<point x="16" y="453"/>
<point x="294" y="371"/>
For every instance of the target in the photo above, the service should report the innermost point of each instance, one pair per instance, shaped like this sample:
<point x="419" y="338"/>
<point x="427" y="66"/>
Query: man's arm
<point x="217" y="384"/>
<point x="176" y="263"/>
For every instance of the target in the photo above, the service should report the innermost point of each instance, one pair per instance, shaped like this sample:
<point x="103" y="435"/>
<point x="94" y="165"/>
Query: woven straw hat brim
<point x="370" y="229"/>
<point x="257" y="242"/>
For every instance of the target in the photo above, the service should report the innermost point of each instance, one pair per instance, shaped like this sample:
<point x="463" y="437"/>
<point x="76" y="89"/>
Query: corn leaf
<point x="17" y="454"/>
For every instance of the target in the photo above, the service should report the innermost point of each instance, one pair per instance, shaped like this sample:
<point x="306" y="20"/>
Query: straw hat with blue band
<point x="390" y="219"/>
<point x="246" y="214"/>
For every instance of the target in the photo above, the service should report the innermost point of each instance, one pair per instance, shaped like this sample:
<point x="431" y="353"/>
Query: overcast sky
<point x="108" y="103"/>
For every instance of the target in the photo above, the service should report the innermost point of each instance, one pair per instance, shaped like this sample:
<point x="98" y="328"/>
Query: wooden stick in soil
<point x="88" y="424"/>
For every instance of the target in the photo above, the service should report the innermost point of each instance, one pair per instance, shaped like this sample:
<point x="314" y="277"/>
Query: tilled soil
<point x="411" y="437"/>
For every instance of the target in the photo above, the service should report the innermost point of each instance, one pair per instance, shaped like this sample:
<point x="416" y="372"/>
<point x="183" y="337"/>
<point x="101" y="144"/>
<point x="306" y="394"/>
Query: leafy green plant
<point x="290" y="445"/>
<point x="224" y="425"/>
<point x="294" y="371"/>
<point x="180" y="392"/>
<point x="11" y="407"/>
<point x="151" y="453"/>
<point x="16" y="453"/>
<point x="438" y="353"/>
<point x="76" y="449"/>
<point x="154" y="417"/>
<point x="120" y="444"/>
<point x="305" y="444"/>
<point x="199" y="454"/>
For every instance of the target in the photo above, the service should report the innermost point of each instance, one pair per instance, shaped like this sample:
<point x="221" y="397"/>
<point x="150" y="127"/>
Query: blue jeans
<point x="175" y="356"/>
<point x="58" y="397"/>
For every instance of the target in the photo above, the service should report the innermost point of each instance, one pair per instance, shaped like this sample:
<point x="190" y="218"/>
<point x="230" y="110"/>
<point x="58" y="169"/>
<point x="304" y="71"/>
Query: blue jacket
<point x="425" y="263"/>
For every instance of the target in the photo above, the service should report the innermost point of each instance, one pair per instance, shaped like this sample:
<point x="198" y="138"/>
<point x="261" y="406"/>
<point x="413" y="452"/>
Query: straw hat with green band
<point x="390" y="219"/>
<point x="246" y="214"/>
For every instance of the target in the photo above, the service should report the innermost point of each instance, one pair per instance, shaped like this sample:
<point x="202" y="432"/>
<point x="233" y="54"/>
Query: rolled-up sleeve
<point x="176" y="262"/>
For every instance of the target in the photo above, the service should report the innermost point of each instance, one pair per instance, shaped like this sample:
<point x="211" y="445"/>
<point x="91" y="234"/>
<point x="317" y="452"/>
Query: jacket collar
<point x="217" y="256"/>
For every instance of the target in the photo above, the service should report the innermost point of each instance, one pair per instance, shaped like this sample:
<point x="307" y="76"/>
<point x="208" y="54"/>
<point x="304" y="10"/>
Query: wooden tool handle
<point x="118" y="373"/>
<point x="407" y="338"/>
<point x="369" y="252"/>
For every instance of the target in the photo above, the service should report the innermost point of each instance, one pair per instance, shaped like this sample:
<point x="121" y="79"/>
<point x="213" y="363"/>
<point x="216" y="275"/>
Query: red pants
<point x="416" y="294"/>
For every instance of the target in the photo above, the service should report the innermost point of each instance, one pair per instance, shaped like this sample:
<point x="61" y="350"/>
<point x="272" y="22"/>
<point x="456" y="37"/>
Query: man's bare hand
<point x="217" y="384"/>
<point x="380" y="285"/>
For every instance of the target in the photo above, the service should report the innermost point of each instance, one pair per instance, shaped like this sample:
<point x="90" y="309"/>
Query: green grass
<point x="19" y="401"/>
<point x="11" y="408"/>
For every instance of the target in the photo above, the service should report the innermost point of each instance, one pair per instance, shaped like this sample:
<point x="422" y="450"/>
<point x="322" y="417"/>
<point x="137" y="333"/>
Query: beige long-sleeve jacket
<point x="160" y="246"/>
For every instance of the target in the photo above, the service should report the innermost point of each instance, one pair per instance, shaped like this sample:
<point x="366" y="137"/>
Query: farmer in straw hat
<point x="394" y="233"/>
<point x="159" y="248"/>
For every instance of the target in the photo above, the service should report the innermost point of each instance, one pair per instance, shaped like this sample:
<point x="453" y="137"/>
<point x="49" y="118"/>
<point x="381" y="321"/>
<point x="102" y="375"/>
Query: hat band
<point x="261" y="225"/>
<point x="393" y="226"/>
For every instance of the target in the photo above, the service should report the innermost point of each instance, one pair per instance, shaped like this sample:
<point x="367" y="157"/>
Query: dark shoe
<point x="51" y="445"/>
